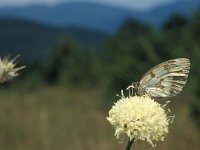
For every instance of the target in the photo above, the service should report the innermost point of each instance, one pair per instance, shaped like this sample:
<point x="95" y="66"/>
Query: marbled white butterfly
<point x="164" y="80"/>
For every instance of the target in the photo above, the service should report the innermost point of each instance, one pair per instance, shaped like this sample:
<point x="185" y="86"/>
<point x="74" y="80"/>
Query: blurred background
<point x="79" y="54"/>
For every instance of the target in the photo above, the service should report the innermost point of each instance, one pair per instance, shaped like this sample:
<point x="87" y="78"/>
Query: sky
<point x="130" y="4"/>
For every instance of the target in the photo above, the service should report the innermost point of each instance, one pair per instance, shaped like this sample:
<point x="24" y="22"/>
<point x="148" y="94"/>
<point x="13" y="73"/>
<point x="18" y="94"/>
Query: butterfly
<point x="164" y="80"/>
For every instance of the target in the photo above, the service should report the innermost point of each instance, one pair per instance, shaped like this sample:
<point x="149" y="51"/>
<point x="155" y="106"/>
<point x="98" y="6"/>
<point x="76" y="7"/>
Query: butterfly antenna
<point x="127" y="74"/>
<point x="130" y="78"/>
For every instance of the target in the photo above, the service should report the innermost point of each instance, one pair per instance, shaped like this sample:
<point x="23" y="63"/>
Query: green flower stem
<point x="129" y="144"/>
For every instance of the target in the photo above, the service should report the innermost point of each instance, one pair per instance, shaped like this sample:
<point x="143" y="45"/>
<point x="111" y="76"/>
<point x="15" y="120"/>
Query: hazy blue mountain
<point x="159" y="15"/>
<point x="96" y="16"/>
<point x="35" y="41"/>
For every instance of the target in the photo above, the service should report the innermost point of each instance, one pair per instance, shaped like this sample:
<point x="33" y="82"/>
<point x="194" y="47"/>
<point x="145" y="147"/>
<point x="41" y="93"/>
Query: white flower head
<point x="8" y="68"/>
<point x="140" y="118"/>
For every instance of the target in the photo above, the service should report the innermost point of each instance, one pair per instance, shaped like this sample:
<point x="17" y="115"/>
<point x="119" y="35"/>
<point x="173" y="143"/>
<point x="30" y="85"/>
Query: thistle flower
<point x="140" y="118"/>
<point x="8" y="68"/>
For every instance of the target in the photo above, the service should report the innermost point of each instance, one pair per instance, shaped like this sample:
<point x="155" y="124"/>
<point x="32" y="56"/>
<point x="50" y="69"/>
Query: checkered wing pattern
<point x="166" y="79"/>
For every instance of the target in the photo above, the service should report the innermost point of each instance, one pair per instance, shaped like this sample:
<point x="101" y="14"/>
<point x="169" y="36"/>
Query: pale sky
<point x="131" y="4"/>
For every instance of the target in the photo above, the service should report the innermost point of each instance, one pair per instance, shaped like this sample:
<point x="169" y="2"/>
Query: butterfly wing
<point x="166" y="79"/>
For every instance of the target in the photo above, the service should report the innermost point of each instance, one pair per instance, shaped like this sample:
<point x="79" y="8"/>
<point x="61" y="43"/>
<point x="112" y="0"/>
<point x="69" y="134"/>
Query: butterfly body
<point x="139" y="90"/>
<point x="164" y="80"/>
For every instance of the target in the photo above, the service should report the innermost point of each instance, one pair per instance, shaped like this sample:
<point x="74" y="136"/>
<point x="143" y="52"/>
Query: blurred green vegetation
<point x="124" y="58"/>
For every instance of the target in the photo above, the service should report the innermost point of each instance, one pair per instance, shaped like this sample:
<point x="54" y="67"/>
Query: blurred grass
<point x="57" y="118"/>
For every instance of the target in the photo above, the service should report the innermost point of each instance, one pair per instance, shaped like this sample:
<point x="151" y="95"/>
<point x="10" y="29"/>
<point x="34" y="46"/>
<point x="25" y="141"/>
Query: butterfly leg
<point x="130" y="90"/>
